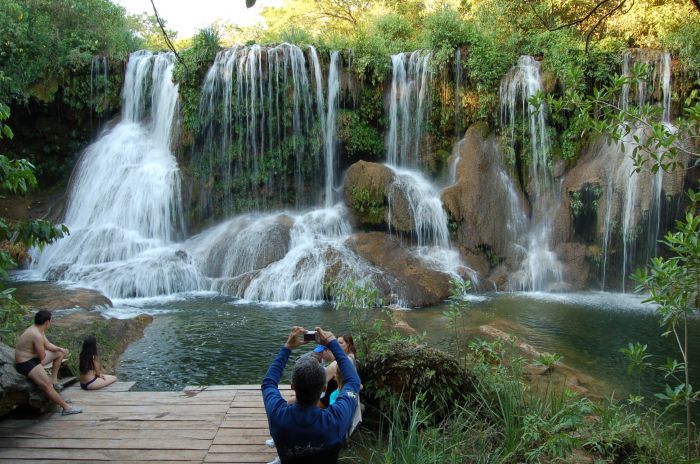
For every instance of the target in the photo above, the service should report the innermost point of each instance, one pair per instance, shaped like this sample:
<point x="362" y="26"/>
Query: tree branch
<point x="580" y="20"/>
<point x="600" y="21"/>
<point x="167" y="39"/>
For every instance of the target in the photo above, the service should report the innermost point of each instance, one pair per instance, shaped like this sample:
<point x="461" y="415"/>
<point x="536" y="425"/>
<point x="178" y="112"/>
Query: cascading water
<point x="428" y="216"/>
<point x="624" y="184"/>
<point x="257" y="112"/>
<point x="409" y="107"/>
<point x="330" y="127"/>
<point x="124" y="208"/>
<point x="409" y="110"/>
<point x="540" y="270"/>
<point x="280" y="257"/>
<point x="99" y="88"/>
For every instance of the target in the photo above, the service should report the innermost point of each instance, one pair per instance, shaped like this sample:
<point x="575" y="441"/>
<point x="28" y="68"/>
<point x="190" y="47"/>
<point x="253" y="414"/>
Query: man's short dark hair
<point x="309" y="378"/>
<point x="41" y="317"/>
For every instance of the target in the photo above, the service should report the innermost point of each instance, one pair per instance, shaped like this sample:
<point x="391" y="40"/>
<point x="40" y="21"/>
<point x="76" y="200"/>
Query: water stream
<point x="124" y="208"/>
<point x="540" y="270"/>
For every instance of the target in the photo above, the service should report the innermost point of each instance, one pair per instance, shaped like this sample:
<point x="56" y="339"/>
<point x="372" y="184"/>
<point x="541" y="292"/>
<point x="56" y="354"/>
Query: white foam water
<point x="124" y="209"/>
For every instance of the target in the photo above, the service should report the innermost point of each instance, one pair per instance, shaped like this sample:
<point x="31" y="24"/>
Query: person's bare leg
<point x="39" y="377"/>
<point x="101" y="383"/>
<point x="55" y="358"/>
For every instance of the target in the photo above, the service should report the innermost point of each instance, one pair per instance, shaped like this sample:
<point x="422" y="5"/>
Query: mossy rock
<point x="413" y="371"/>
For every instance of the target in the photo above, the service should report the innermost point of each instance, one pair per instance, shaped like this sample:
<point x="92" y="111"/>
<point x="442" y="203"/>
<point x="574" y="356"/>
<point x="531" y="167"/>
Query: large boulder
<point x="51" y="296"/>
<point x="576" y="260"/>
<point x="404" y="275"/>
<point x="490" y="210"/>
<point x="16" y="389"/>
<point x="366" y="188"/>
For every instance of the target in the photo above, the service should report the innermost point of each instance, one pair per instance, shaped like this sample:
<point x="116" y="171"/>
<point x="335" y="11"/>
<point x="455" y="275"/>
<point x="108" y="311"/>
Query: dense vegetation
<point x="48" y="85"/>
<point x="579" y="43"/>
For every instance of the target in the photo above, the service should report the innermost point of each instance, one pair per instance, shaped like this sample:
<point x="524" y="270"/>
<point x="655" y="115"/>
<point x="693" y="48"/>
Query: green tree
<point x="672" y="283"/>
<point x="16" y="177"/>
<point x="43" y="43"/>
<point x="146" y="28"/>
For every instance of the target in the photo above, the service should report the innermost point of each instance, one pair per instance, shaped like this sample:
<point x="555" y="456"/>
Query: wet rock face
<point x="404" y="275"/>
<point x="51" y="296"/>
<point x="478" y="201"/>
<point x="16" y="389"/>
<point x="577" y="265"/>
<point x="365" y="188"/>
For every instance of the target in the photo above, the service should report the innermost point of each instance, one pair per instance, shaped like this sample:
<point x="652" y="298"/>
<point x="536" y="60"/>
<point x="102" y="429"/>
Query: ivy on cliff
<point x="190" y="75"/>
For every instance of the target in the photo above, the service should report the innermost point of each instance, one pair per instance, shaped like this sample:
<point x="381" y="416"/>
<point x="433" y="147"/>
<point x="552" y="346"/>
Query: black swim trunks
<point x="26" y="367"/>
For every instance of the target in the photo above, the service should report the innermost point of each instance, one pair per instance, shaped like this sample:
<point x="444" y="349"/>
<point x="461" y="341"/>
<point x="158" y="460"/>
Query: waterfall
<point x="409" y="107"/>
<point x="623" y="182"/>
<point x="124" y="208"/>
<point x="278" y="257"/>
<point x="261" y="129"/>
<point x="99" y="88"/>
<point x="329" y="129"/>
<point x="428" y="216"/>
<point x="540" y="269"/>
<point x="663" y="71"/>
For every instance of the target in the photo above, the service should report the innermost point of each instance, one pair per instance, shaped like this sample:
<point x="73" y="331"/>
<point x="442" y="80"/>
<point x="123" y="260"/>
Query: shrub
<point x="415" y="372"/>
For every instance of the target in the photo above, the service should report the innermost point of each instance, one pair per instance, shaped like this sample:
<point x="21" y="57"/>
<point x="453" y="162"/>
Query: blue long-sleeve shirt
<point x="304" y="430"/>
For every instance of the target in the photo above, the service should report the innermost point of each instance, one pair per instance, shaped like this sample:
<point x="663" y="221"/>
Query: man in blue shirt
<point x="302" y="431"/>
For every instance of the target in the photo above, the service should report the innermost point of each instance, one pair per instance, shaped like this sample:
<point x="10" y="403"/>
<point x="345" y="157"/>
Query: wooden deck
<point x="223" y="423"/>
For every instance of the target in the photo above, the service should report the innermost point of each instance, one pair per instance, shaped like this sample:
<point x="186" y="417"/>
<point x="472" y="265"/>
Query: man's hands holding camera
<point x="298" y="337"/>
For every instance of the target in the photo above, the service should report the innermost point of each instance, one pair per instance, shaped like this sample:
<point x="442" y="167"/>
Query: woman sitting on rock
<point x="91" y="376"/>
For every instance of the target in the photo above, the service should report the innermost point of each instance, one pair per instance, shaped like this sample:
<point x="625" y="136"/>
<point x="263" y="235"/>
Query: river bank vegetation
<point x="62" y="66"/>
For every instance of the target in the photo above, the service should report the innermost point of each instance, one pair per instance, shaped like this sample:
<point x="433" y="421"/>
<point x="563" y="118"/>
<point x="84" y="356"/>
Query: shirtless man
<point x="33" y="351"/>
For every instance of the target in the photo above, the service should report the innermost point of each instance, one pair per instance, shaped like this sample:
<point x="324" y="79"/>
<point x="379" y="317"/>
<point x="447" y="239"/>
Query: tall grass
<point x="509" y="422"/>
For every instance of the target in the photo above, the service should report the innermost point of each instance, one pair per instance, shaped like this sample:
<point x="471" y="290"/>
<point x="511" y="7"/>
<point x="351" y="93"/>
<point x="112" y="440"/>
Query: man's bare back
<point x="27" y="345"/>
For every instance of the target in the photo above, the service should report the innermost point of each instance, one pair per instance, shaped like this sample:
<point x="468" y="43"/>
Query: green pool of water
<point x="205" y="340"/>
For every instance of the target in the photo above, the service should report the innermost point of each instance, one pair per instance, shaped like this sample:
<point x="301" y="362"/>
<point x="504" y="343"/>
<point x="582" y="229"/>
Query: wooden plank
<point x="104" y="455"/>
<point x="90" y="433"/>
<point x="72" y="461"/>
<point x="232" y="433"/>
<point x="253" y="440"/>
<point x="160" y="416"/>
<point x="246" y="448"/>
<point x="106" y="444"/>
<point x="193" y="397"/>
<point x="177" y="409"/>
<point x="240" y="388"/>
<point x="244" y="424"/>
<point x="122" y="424"/>
<point x="240" y="457"/>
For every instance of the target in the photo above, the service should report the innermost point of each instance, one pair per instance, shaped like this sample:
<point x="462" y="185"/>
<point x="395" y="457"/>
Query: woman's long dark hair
<point x="350" y="342"/>
<point x="87" y="354"/>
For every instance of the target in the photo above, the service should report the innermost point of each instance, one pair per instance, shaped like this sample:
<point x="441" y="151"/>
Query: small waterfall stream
<point x="409" y="107"/>
<point x="640" y="195"/>
<point x="99" y="90"/>
<point x="261" y="129"/>
<point x="540" y="270"/>
<point x="409" y="110"/>
<point x="329" y="127"/>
